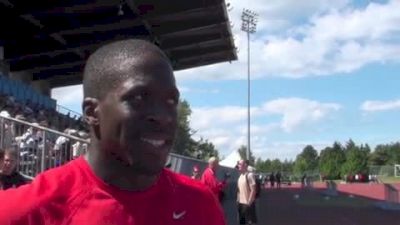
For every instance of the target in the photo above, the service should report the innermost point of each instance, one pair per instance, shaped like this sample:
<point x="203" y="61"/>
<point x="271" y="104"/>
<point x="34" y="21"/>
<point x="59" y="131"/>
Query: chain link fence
<point x="386" y="170"/>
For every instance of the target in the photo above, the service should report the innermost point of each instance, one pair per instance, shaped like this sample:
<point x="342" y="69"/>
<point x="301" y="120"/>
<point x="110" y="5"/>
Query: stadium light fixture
<point x="249" y="25"/>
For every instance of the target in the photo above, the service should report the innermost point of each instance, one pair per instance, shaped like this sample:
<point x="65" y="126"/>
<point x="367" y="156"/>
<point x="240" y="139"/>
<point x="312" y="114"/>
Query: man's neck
<point x="113" y="172"/>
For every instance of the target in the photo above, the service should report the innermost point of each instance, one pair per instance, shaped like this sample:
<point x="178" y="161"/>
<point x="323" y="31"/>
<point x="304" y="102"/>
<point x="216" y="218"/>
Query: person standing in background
<point x="195" y="173"/>
<point x="9" y="175"/>
<point x="210" y="179"/>
<point x="278" y="177"/>
<point x="246" y="195"/>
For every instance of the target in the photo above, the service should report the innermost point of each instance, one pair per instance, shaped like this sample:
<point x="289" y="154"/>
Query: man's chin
<point x="144" y="165"/>
<point x="149" y="170"/>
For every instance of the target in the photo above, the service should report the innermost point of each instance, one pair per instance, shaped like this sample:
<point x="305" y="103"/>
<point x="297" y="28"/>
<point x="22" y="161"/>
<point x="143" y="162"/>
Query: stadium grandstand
<point x="46" y="46"/>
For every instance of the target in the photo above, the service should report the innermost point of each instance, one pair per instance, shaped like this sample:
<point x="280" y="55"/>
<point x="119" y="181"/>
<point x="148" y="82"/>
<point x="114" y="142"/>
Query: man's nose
<point x="159" y="115"/>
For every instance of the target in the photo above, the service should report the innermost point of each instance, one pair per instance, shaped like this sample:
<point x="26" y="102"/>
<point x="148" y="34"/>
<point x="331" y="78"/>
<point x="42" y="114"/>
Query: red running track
<point x="279" y="207"/>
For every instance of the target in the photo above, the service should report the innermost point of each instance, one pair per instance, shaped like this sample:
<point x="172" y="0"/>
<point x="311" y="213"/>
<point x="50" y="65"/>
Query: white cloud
<point x="276" y="15"/>
<point x="69" y="97"/>
<point x="226" y="126"/>
<point x="286" y="150"/>
<point x="204" y="117"/>
<point x="334" y="37"/>
<point x="185" y="89"/>
<point x="297" y="111"/>
<point x="372" y="106"/>
<point x="259" y="129"/>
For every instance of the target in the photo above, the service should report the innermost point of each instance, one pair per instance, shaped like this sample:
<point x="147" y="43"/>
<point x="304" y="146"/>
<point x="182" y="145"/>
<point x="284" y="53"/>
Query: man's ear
<point x="90" y="109"/>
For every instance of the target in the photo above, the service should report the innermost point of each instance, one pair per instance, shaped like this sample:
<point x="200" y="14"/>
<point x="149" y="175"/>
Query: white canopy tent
<point x="231" y="160"/>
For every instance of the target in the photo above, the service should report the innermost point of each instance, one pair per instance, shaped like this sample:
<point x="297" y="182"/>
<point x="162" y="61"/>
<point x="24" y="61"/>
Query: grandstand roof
<point x="52" y="39"/>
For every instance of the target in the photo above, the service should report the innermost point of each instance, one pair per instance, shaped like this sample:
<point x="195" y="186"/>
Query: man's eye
<point x="172" y="101"/>
<point x="138" y="97"/>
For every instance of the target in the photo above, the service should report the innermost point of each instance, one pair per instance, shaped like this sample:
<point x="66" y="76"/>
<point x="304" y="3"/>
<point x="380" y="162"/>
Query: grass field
<point x="389" y="180"/>
<point x="383" y="179"/>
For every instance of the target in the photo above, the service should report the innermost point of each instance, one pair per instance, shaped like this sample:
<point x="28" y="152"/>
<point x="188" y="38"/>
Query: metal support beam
<point x="189" y="42"/>
<point x="79" y="46"/>
<point x="54" y="67"/>
<point x="134" y="9"/>
<point x="119" y="25"/>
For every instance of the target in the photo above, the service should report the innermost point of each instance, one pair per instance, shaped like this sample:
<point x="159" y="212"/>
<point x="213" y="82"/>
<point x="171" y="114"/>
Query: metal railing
<point x="65" y="111"/>
<point x="39" y="148"/>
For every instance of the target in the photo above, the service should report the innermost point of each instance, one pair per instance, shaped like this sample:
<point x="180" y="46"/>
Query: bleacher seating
<point x="23" y="92"/>
<point x="22" y="108"/>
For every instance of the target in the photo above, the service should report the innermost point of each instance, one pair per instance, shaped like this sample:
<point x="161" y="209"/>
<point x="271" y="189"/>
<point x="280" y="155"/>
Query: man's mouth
<point x="154" y="142"/>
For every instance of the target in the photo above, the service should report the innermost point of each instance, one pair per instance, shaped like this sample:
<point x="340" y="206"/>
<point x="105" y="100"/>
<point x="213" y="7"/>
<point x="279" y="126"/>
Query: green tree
<point x="366" y="148"/>
<point x="356" y="160"/>
<point x="184" y="143"/>
<point x="331" y="160"/>
<point x="260" y="165"/>
<point x="306" y="161"/>
<point x="394" y="153"/>
<point x="386" y="154"/>
<point x="380" y="156"/>
<point x="350" y="145"/>
<point x="243" y="154"/>
<point x="300" y="165"/>
<point x="203" y="149"/>
<point x="276" y="165"/>
<point x="268" y="165"/>
<point x="287" y="166"/>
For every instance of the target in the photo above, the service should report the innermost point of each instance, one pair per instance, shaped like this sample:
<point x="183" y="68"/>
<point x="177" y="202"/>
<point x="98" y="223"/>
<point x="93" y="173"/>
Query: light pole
<point x="249" y="24"/>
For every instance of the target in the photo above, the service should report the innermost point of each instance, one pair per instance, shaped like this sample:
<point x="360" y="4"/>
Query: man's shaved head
<point x="213" y="162"/>
<point x="130" y="103"/>
<point x="108" y="65"/>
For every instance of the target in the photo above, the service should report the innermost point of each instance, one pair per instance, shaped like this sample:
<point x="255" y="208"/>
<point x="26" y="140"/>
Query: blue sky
<point x="322" y="71"/>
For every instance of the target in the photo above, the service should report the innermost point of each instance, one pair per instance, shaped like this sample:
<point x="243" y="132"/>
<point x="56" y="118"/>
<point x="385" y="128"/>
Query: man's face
<point x="138" y="118"/>
<point x="242" y="166"/>
<point x="9" y="164"/>
<point x="214" y="164"/>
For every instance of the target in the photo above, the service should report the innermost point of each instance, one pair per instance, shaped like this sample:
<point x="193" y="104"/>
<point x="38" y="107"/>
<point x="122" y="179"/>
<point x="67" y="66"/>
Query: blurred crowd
<point x="36" y="113"/>
<point x="31" y="142"/>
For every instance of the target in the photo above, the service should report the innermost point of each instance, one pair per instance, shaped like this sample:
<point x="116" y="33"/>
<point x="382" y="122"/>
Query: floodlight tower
<point x="249" y="24"/>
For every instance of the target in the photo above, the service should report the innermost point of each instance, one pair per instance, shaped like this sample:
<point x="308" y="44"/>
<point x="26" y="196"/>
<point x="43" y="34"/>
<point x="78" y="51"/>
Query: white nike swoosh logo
<point x="178" y="216"/>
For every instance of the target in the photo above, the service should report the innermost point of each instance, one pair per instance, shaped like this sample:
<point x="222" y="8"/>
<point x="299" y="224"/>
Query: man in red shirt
<point x="130" y="103"/>
<point x="210" y="179"/>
